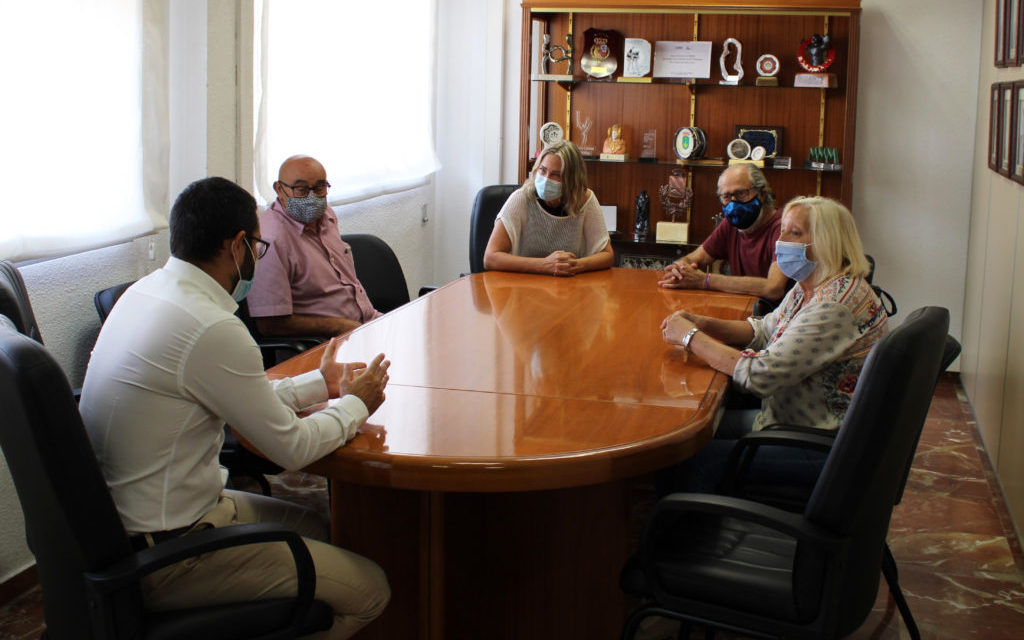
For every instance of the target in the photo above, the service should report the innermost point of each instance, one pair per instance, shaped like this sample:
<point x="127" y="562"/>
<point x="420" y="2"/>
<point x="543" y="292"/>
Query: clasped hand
<point x="355" y="378"/>
<point x="675" y="326"/>
<point x="561" y="263"/>
<point x="682" y="276"/>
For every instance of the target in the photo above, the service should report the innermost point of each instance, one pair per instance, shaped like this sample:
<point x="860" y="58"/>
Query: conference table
<point x="497" y="485"/>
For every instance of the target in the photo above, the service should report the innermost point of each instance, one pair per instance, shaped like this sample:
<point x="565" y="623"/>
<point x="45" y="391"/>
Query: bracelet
<point x="707" y="280"/>
<point x="688" y="337"/>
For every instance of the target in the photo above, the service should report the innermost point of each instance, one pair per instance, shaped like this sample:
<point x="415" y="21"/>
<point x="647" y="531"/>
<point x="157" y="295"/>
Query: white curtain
<point x="84" y="83"/>
<point x="350" y="84"/>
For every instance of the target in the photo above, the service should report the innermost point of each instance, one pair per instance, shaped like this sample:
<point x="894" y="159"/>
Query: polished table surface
<point x="507" y="382"/>
<point x="496" y="484"/>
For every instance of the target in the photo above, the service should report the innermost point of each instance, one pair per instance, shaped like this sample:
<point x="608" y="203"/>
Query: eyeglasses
<point x="302" y="190"/>
<point x="261" y="246"/>
<point x="739" y="194"/>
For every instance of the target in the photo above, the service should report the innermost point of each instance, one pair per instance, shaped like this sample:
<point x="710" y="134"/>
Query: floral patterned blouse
<point x="806" y="355"/>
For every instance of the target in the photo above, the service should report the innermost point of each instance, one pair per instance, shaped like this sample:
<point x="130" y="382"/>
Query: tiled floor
<point x="960" y="562"/>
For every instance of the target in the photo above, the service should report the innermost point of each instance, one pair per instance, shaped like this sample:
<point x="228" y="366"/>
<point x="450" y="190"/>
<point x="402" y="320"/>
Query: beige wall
<point x="992" y="364"/>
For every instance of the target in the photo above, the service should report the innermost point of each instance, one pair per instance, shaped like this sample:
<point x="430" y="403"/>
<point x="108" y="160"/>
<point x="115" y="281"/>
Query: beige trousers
<point x="352" y="585"/>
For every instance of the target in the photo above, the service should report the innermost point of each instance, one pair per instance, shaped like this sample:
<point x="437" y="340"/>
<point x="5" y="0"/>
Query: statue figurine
<point x="818" y="48"/>
<point x="643" y="217"/>
<point x="614" y="142"/>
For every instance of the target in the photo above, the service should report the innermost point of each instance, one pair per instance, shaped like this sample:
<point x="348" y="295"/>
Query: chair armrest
<point x="424" y="290"/>
<point x="674" y="505"/>
<point x="745" y="449"/>
<point x="141" y="563"/>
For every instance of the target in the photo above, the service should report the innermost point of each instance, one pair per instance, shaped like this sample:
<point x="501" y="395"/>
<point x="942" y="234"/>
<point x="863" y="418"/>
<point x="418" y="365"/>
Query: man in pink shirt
<point x="306" y="284"/>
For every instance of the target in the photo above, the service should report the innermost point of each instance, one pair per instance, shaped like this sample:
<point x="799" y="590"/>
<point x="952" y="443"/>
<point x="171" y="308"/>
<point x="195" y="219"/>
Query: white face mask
<point x="547" y="189"/>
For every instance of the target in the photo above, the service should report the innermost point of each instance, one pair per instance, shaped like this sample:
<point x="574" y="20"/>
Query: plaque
<point x="600" y="53"/>
<point x="638" y="58"/>
<point x="738" y="149"/>
<point x="550" y="133"/>
<point x="649" y="146"/>
<point x="682" y="59"/>
<point x="689" y="143"/>
<point x="586" y="142"/>
<point x="731" y="78"/>
<point x="757" y="154"/>
<point x="761" y="136"/>
<point x="767" y="68"/>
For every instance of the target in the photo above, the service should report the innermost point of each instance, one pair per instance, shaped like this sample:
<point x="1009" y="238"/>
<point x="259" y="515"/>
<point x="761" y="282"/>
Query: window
<point x="350" y="84"/>
<point x="73" y="149"/>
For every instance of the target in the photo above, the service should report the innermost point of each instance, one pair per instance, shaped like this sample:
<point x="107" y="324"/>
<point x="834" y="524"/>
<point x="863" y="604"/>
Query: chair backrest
<point x="486" y="206"/>
<point x="71" y="523"/>
<point x="865" y="471"/>
<point x="14" y="302"/>
<point x="107" y="298"/>
<point x="378" y="270"/>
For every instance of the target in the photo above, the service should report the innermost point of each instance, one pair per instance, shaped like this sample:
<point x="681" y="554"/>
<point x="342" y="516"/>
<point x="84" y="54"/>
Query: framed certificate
<point x="1005" y="121"/>
<point x="1017" y="133"/>
<point x="993" y="128"/>
<point x="1012" y="33"/>
<point x="1000" y="55"/>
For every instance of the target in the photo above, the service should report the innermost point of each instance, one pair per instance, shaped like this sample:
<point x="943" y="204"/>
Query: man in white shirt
<point x="171" y="366"/>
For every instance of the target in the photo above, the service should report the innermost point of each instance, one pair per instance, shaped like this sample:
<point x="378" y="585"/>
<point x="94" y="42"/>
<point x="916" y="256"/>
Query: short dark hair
<point x="206" y="213"/>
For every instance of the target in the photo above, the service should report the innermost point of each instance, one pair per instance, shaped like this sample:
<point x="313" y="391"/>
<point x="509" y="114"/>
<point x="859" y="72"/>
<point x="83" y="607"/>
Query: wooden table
<point x="492" y="485"/>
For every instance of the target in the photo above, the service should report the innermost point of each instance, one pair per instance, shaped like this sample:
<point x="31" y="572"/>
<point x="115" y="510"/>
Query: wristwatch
<point x="688" y="337"/>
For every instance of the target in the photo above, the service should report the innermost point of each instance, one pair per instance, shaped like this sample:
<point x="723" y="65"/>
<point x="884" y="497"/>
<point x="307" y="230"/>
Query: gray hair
<point x="759" y="182"/>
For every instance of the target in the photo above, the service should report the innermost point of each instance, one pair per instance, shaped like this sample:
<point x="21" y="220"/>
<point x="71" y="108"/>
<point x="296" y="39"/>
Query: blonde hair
<point x="574" y="175"/>
<point x="837" y="245"/>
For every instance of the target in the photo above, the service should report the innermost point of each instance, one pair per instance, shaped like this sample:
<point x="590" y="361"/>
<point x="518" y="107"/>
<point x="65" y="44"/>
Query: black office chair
<point x="87" y="569"/>
<point x="736" y="564"/>
<point x="378" y="270"/>
<point x="486" y="206"/>
<point x="14" y="301"/>
<point x="107" y="298"/>
<point x="793" y="497"/>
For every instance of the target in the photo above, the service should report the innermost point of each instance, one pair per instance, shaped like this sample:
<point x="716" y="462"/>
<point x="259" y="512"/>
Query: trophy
<point x="727" y="78"/>
<point x="816" y="55"/>
<point x="548" y="54"/>
<point x="675" y="201"/>
<point x="615" y="145"/>
<point x="643" y="219"/>
<point x="649" y="146"/>
<point x="585" y="144"/>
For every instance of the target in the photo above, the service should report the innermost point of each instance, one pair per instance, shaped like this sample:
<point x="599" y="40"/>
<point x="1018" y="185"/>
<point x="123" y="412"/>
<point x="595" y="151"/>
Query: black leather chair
<point x="107" y="298"/>
<point x="486" y="206"/>
<point x="14" y="301"/>
<point x="378" y="270"/>
<point x="87" y="569"/>
<point x="732" y="563"/>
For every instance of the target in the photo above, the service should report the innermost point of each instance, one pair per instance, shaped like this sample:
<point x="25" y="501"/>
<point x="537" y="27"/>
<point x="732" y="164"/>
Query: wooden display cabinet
<point x="808" y="117"/>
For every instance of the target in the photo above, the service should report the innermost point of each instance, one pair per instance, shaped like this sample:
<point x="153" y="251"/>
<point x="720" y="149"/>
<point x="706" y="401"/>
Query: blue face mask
<point x="244" y="284"/>
<point x="792" y="260"/>
<point x="742" y="214"/>
<point x="547" y="189"/>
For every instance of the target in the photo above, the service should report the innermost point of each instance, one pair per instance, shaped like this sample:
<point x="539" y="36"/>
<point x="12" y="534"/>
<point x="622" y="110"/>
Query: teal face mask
<point x="244" y="284"/>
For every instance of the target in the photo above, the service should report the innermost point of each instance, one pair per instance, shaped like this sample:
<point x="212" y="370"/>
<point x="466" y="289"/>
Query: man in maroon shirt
<point x="745" y="238"/>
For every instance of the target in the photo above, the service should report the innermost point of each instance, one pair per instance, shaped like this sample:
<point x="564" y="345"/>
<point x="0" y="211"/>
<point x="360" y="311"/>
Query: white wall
<point x="913" y="171"/>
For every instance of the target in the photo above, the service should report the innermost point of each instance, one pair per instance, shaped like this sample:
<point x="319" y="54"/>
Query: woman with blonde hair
<point x="803" y="358"/>
<point x="553" y="223"/>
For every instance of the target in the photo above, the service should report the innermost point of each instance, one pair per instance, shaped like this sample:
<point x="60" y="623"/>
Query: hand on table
<point x="355" y="378"/>
<point x="675" y="326"/>
<point x="561" y="263"/>
<point x="683" y="276"/>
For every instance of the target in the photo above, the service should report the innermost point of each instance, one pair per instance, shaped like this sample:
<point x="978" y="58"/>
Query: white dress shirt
<point x="171" y="366"/>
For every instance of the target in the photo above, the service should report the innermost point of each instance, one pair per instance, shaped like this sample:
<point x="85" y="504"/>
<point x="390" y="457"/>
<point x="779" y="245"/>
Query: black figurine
<point x="643" y="217"/>
<point x="818" y="49"/>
